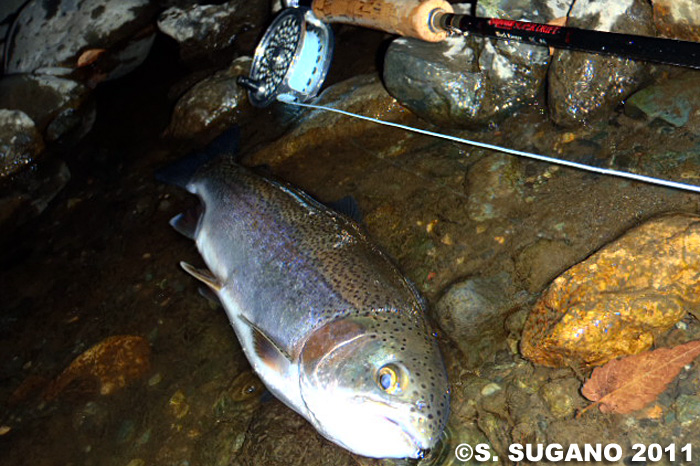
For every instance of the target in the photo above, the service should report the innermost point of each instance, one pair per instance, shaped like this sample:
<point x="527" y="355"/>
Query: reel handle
<point x="408" y="18"/>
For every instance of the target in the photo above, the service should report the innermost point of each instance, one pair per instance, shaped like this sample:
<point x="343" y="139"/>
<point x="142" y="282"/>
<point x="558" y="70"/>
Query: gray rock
<point x="278" y="5"/>
<point x="8" y="11"/>
<point x="675" y="101"/>
<point x="212" y="105"/>
<point x="472" y="313"/>
<point x="215" y="32"/>
<point x="20" y="142"/>
<point x="553" y="9"/>
<point x="467" y="82"/>
<point x="679" y="19"/>
<point x="687" y="409"/>
<point x="585" y="87"/>
<point x="60" y="108"/>
<point x="52" y="36"/>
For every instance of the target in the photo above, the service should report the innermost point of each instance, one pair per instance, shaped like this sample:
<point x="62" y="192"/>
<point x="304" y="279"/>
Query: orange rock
<point x="113" y="363"/>
<point x="678" y="19"/>
<point x="617" y="301"/>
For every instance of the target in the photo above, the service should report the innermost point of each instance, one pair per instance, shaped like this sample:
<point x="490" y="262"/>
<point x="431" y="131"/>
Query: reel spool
<point x="292" y="59"/>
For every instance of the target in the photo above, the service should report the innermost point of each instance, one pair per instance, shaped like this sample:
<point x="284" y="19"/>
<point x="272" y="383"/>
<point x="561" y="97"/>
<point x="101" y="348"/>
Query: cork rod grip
<point x="408" y="18"/>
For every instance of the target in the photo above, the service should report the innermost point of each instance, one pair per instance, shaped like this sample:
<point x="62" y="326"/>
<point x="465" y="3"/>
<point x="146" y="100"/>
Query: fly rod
<point x="434" y="20"/>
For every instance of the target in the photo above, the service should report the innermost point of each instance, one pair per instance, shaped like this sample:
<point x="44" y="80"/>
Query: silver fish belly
<point x="328" y="323"/>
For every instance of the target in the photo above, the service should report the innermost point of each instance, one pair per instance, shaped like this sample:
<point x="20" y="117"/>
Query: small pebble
<point x="155" y="380"/>
<point x="136" y="462"/>
<point x="490" y="389"/>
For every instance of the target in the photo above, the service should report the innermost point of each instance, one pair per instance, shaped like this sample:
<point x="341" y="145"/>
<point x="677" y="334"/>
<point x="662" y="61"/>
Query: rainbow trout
<point x="327" y="322"/>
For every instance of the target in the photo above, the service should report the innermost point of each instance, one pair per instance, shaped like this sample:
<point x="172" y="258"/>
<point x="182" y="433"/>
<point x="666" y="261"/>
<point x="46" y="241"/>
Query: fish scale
<point x="330" y="325"/>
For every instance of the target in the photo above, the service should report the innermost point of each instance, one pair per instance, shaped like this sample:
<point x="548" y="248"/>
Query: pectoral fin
<point x="203" y="275"/>
<point x="267" y="351"/>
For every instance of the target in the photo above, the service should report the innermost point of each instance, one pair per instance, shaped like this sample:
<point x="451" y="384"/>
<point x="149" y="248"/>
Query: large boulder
<point x="586" y="87"/>
<point x="467" y="81"/>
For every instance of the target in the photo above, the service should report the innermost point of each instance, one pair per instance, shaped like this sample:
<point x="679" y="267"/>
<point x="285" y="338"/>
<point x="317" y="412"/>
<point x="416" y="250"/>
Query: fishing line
<point x="519" y="153"/>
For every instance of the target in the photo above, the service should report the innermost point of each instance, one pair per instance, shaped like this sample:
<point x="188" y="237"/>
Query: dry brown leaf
<point x="626" y="385"/>
<point x="90" y="56"/>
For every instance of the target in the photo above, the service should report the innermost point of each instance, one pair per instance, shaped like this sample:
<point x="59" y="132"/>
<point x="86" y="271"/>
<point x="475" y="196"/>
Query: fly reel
<point x="292" y="59"/>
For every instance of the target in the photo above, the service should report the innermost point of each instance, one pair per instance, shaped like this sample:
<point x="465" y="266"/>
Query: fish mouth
<point x="420" y="450"/>
<point x="420" y="447"/>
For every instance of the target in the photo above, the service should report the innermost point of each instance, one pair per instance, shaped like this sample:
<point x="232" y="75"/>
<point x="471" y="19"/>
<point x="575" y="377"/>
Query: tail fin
<point x="180" y="172"/>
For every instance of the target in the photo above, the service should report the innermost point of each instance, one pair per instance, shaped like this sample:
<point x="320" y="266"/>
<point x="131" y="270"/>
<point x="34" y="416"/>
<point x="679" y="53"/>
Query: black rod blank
<point x="653" y="49"/>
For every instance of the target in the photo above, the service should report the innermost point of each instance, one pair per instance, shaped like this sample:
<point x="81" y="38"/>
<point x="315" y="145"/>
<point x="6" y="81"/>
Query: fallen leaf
<point x="628" y="384"/>
<point x="90" y="56"/>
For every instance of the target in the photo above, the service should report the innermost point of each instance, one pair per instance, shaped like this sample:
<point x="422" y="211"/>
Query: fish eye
<point x="390" y="379"/>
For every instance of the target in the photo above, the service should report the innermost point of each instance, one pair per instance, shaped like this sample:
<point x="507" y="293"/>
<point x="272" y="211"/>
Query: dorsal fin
<point x="181" y="171"/>
<point x="349" y="207"/>
<point x="203" y="275"/>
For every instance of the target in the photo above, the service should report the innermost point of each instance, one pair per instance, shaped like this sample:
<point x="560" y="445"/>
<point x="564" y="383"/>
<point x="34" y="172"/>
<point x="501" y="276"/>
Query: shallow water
<point x="103" y="261"/>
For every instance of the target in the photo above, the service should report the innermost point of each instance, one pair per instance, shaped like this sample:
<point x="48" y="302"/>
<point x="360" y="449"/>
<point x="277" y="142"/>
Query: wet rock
<point x="277" y="5"/>
<point x="587" y="87"/>
<point x="562" y="397"/>
<point x="675" y="101"/>
<point x="212" y="105"/>
<point x="472" y="313"/>
<point x="467" y="82"/>
<point x="91" y="417"/>
<point x="20" y="142"/>
<point x="619" y="300"/>
<point x="60" y="108"/>
<point x="363" y="94"/>
<point x="107" y="367"/>
<point x="492" y="183"/>
<point x="8" y="11"/>
<point x="51" y="37"/>
<point x="679" y="19"/>
<point x="539" y="263"/>
<point x="179" y="407"/>
<point x="27" y="195"/>
<point x="687" y="409"/>
<point x="215" y="32"/>
<point x="276" y="434"/>
<point x="553" y="9"/>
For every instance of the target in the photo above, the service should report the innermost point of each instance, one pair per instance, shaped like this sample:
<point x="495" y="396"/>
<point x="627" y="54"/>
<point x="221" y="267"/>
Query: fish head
<point x="376" y="385"/>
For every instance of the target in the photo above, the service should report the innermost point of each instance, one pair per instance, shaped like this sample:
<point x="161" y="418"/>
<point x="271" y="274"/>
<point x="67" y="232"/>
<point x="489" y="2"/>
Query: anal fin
<point x="203" y="276"/>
